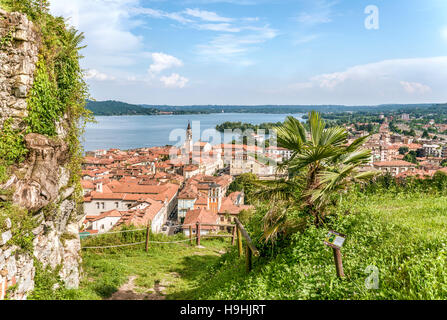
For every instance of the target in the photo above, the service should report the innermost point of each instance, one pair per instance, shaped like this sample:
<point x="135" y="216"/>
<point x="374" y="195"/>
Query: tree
<point x="403" y="150"/>
<point x="411" y="157"/>
<point x="245" y="183"/>
<point x="425" y="135"/>
<point x="322" y="164"/>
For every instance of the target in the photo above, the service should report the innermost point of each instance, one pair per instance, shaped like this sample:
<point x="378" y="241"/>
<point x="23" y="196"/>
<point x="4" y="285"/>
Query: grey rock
<point x="5" y="237"/>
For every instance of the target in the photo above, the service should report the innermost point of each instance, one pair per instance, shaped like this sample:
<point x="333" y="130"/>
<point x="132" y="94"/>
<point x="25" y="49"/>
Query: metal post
<point x="338" y="262"/>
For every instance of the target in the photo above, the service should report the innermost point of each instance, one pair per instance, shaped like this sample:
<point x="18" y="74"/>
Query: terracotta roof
<point x="394" y="163"/>
<point x="202" y="216"/>
<point x="107" y="214"/>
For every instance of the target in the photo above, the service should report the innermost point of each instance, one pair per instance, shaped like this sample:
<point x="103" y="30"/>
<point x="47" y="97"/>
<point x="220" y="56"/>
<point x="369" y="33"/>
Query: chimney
<point x="99" y="187"/>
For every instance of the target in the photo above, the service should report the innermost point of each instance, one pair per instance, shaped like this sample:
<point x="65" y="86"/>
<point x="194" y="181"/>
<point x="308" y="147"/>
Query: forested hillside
<point x="117" y="108"/>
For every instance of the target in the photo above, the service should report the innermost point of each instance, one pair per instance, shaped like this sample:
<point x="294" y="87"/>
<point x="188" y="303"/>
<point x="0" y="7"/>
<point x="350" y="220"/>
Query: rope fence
<point x="238" y="231"/>
<point x="190" y="238"/>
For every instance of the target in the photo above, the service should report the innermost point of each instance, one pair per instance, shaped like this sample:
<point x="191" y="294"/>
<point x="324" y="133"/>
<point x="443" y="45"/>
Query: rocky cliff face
<point x="40" y="183"/>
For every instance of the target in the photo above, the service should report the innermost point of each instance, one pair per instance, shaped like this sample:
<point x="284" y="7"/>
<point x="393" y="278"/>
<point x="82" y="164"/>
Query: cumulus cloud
<point x="398" y="80"/>
<point x="96" y="75"/>
<point x="385" y="71"/>
<point x="415" y="87"/>
<point x="162" y="61"/>
<point x="174" y="81"/>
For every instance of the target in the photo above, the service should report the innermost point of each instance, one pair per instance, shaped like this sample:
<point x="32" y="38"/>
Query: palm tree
<point x="322" y="164"/>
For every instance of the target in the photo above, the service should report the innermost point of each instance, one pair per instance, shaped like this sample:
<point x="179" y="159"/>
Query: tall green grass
<point x="402" y="234"/>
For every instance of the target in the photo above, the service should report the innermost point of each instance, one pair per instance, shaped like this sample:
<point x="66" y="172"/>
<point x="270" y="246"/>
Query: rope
<point x="137" y="243"/>
<point x="133" y="244"/>
<point x="116" y="246"/>
<point x="170" y="241"/>
<point x="99" y="234"/>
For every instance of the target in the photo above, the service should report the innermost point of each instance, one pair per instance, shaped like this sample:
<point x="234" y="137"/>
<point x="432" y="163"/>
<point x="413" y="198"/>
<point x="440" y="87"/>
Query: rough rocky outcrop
<point x="40" y="183"/>
<point x="17" y="65"/>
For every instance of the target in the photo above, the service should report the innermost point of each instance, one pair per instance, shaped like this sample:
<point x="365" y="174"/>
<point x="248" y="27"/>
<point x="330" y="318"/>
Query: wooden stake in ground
<point x="239" y="241"/>
<point x="335" y="240"/>
<point x="198" y="233"/>
<point x="148" y="230"/>
<point x="248" y="258"/>
<point x="190" y="234"/>
<point x="338" y="262"/>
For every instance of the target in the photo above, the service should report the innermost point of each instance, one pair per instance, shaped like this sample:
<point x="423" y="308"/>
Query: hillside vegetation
<point x="402" y="234"/>
<point x="400" y="231"/>
<point x="117" y="108"/>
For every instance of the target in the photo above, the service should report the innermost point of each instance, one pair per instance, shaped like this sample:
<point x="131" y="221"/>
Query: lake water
<point x="129" y="132"/>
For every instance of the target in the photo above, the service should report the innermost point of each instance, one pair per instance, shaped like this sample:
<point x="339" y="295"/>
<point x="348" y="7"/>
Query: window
<point x="97" y="205"/>
<point x="117" y="204"/>
<point x="103" y="205"/>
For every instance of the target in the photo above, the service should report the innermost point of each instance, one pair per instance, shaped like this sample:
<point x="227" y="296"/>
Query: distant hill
<point x="117" y="108"/>
<point x="279" y="109"/>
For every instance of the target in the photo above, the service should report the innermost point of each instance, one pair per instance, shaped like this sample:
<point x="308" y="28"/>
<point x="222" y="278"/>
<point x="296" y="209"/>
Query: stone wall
<point x="17" y="65"/>
<point x="40" y="184"/>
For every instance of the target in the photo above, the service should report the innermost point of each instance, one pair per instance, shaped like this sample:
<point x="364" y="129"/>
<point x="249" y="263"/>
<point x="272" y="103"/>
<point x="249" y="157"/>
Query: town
<point x="148" y="186"/>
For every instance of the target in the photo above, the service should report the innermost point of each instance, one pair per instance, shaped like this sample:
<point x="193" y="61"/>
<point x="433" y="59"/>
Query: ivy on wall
<point x="57" y="98"/>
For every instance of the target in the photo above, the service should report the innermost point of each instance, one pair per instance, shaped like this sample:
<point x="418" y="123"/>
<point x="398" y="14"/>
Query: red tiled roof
<point x="394" y="163"/>
<point x="202" y="216"/>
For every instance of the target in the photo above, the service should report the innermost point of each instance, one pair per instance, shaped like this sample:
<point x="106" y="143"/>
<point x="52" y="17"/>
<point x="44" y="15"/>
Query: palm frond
<point x="316" y="127"/>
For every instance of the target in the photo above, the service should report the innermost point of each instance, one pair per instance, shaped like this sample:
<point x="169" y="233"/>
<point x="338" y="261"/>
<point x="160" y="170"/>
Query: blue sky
<point x="183" y="52"/>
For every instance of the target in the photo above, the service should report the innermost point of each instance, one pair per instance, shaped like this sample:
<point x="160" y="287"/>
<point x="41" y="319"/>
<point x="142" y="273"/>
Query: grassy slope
<point x="176" y="266"/>
<point x="402" y="235"/>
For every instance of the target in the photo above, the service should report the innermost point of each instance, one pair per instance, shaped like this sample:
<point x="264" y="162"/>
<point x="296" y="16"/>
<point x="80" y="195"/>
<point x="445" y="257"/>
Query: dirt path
<point x="127" y="292"/>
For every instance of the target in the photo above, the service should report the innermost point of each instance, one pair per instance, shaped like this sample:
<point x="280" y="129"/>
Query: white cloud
<point x="314" y="18"/>
<point x="223" y="27"/>
<point x="231" y="48"/>
<point x="415" y="87"/>
<point x="159" y="14"/>
<point x="174" y="81"/>
<point x="96" y="75"/>
<point x="206" y="15"/>
<point x="444" y="33"/>
<point x="162" y="61"/>
<point x="321" y="12"/>
<point x="385" y="71"/>
<point x="389" y="81"/>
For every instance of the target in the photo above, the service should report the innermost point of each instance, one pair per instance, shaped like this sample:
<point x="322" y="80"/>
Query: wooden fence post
<point x="198" y="233"/>
<point x="248" y="258"/>
<point x="190" y="234"/>
<point x="233" y="239"/>
<point x="147" y="236"/>
<point x="338" y="262"/>
<point x="239" y="241"/>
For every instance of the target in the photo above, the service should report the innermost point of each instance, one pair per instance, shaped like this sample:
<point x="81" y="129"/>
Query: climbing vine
<point x="56" y="103"/>
<point x="12" y="148"/>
